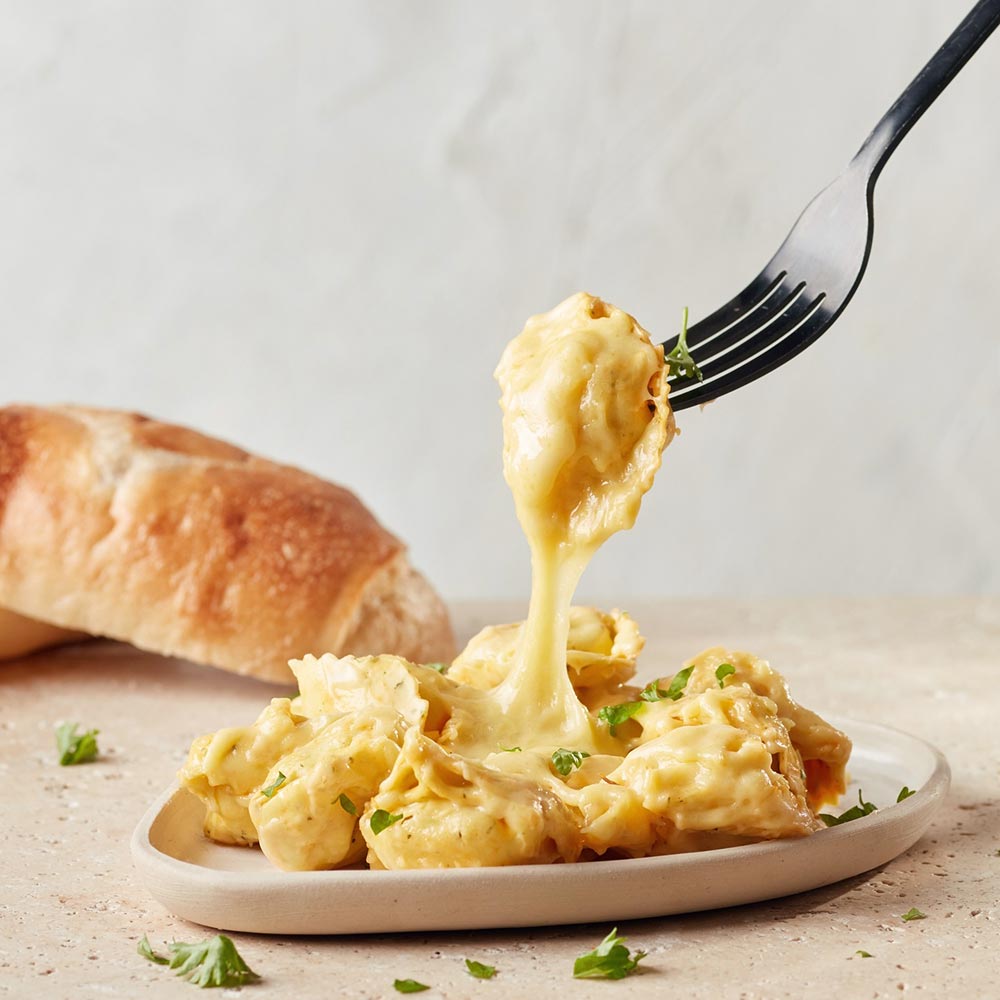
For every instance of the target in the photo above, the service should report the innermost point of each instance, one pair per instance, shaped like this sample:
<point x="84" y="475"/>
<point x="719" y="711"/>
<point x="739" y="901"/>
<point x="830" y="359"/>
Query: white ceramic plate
<point x="236" y="889"/>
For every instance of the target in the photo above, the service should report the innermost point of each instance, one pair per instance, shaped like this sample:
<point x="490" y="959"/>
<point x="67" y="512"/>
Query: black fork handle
<point x="961" y="45"/>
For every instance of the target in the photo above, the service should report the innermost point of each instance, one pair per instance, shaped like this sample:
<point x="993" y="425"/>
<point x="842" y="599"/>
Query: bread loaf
<point x="117" y="525"/>
<point x="20" y="636"/>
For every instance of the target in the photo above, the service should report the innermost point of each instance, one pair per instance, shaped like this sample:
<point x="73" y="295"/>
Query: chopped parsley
<point x="268" y="792"/>
<point x="439" y="667"/>
<point x="863" y="954"/>
<point x="347" y="805"/>
<point x="913" y="914"/>
<point x="510" y="749"/>
<point x="479" y="970"/>
<point x="382" y="820"/>
<point x="679" y="361"/>
<point x="564" y="760"/>
<point x="617" y="715"/>
<point x="679" y="682"/>
<point x="610" y="959"/>
<point x="214" y="962"/>
<point x="653" y="692"/>
<point x="73" y="747"/>
<point x="855" y="812"/>
<point x="409" y="986"/>
<point x="145" y="949"/>
<point x="722" y="671"/>
<point x="905" y="793"/>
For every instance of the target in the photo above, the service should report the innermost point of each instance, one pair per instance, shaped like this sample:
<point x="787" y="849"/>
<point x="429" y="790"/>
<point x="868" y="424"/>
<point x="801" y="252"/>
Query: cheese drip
<point x="586" y="418"/>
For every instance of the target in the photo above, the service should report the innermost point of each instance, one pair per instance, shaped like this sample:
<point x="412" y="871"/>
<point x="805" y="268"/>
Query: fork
<point x="808" y="282"/>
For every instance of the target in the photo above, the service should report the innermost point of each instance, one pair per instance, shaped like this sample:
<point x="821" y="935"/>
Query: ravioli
<point x="310" y="819"/>
<point x="225" y="768"/>
<point x="533" y="746"/>
<point x="459" y="813"/>
<point x="601" y="652"/>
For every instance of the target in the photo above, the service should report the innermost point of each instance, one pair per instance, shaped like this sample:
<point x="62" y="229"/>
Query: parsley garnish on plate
<point x="905" y="793"/>
<point x="722" y="671"/>
<point x="610" y="959"/>
<point x="678" y="684"/>
<point x="913" y="914"/>
<point x="274" y="786"/>
<point x="409" y="986"/>
<point x="616" y="715"/>
<point x="214" y="962"/>
<point x="653" y="692"/>
<point x="855" y="812"/>
<point x="73" y="747"/>
<point x="679" y="360"/>
<point x="347" y="805"/>
<point x="864" y="954"/>
<point x="382" y="820"/>
<point x="479" y="970"/>
<point x="564" y="760"/>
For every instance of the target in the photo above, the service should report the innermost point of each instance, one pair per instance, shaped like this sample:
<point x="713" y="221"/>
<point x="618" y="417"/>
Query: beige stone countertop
<point x="72" y="909"/>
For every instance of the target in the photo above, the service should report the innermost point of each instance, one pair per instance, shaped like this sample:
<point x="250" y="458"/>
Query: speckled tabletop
<point x="72" y="909"/>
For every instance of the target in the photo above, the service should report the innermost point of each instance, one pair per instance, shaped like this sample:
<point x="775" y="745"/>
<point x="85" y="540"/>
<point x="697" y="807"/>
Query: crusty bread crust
<point x="20" y="636"/>
<point x="121" y="526"/>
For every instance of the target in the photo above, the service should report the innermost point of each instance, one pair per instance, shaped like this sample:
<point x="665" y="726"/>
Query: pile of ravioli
<point x="727" y="761"/>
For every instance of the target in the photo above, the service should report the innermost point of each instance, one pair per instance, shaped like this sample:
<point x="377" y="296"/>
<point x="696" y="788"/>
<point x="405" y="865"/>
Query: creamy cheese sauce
<point x="507" y="757"/>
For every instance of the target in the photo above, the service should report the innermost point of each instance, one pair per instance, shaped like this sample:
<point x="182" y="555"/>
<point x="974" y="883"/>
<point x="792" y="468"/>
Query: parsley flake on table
<point x="679" y="361"/>
<point x="382" y="820"/>
<point x="905" y="793"/>
<point x="274" y="786"/>
<point x="610" y="959"/>
<point x="913" y="914"/>
<point x="74" y="747"/>
<point x="722" y="671"/>
<point x="479" y="970"/>
<point x="855" y="812"/>
<point x="214" y="962"/>
<point x="145" y="949"/>
<point x="564" y="760"/>
<point x="616" y="715"/>
<point x="864" y="954"/>
<point x="347" y="805"/>
<point x="409" y="986"/>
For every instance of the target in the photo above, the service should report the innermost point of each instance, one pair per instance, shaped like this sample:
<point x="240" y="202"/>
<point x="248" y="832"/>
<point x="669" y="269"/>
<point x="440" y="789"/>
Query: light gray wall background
<point x="312" y="227"/>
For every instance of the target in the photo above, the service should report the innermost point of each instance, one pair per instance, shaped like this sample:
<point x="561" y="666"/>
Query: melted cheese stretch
<point x="586" y="418"/>
<point x="466" y="761"/>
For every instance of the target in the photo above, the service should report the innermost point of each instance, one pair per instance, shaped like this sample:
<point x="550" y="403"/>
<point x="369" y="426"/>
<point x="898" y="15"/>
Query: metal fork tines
<point x="762" y="318"/>
<point x="814" y="274"/>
